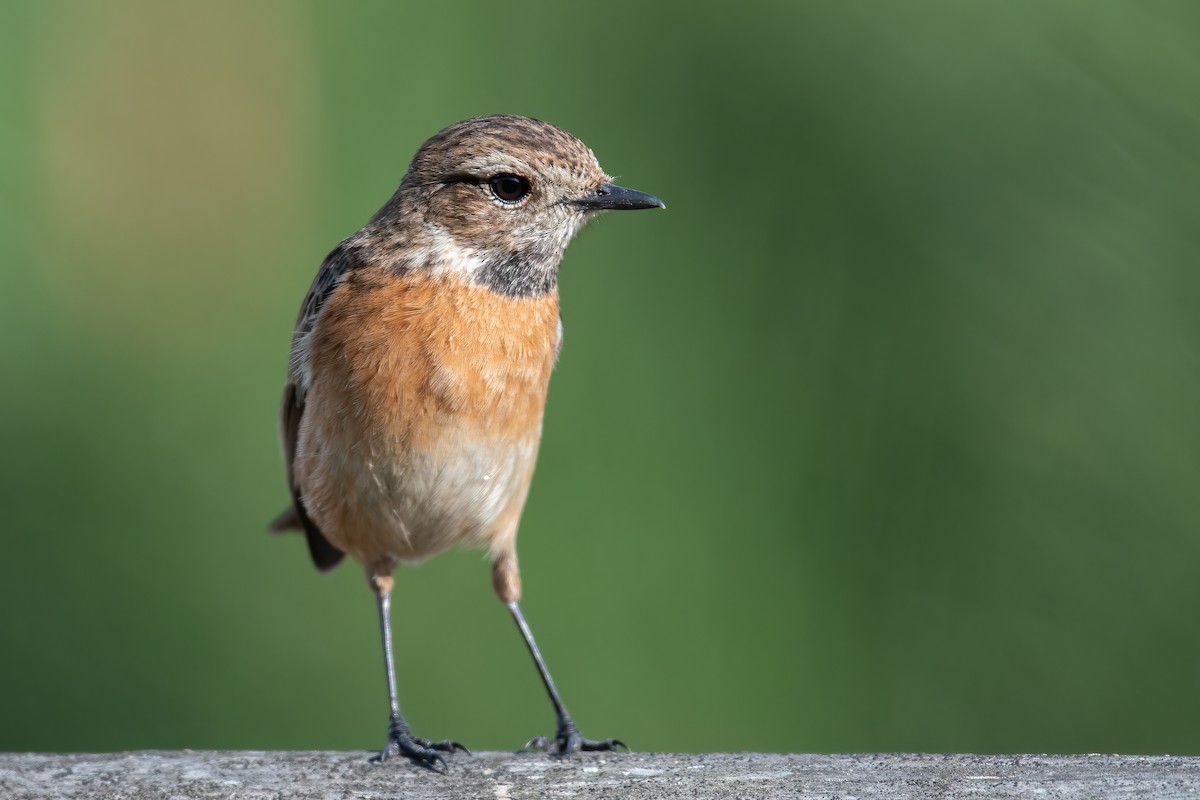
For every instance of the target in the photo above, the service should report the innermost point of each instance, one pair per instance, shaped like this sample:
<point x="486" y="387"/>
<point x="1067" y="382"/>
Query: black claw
<point x="567" y="741"/>
<point x="423" y="756"/>
<point x="447" y="746"/>
<point x="420" y="751"/>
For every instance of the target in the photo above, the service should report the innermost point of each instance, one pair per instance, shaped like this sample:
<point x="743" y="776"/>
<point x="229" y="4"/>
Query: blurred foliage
<point x="882" y="437"/>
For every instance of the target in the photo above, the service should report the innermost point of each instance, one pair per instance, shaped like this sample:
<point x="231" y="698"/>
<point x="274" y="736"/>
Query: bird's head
<point x="497" y="199"/>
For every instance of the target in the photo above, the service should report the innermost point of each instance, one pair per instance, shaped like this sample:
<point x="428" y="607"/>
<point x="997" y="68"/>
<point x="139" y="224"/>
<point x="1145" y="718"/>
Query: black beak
<point x="607" y="197"/>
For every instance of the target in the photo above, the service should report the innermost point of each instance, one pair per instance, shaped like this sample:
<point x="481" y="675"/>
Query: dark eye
<point x="509" y="188"/>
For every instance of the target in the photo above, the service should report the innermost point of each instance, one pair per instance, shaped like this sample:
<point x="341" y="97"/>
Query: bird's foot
<point x="422" y="751"/>
<point x="568" y="741"/>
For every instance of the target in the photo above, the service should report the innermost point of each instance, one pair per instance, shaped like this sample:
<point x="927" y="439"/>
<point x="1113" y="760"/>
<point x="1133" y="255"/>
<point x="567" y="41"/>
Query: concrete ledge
<point x="639" y="776"/>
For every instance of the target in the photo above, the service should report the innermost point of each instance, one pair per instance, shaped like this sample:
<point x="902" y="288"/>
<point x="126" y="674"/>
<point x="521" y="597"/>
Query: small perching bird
<point x="420" y="364"/>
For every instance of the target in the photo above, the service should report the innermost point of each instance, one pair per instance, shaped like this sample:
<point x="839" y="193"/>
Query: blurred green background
<point x="883" y="436"/>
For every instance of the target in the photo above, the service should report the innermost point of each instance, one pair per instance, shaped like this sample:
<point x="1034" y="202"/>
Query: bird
<point x="419" y="368"/>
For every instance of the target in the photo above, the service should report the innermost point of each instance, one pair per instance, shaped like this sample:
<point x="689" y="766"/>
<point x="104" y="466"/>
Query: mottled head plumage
<point x="485" y="146"/>
<point x="495" y="201"/>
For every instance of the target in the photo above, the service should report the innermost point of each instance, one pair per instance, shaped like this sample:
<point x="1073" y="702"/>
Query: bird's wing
<point x="336" y="265"/>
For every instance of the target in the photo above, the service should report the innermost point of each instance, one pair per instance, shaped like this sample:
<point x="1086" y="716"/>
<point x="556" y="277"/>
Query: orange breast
<point x="424" y="413"/>
<point x="412" y="355"/>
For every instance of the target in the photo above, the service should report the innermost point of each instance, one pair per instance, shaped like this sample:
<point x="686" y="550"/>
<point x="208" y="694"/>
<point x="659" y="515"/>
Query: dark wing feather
<point x="339" y="262"/>
<point x="324" y="555"/>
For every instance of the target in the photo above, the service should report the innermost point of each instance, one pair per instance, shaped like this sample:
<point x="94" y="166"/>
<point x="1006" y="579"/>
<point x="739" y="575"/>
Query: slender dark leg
<point x="400" y="736"/>
<point x="567" y="739"/>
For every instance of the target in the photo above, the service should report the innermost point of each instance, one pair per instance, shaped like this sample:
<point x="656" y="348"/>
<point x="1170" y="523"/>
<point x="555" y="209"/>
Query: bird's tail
<point x="289" y="520"/>
<point x="324" y="555"/>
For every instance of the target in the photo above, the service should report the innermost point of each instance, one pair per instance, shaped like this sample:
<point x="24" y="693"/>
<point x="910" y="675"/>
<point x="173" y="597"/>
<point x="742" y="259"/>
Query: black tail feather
<point x="324" y="555"/>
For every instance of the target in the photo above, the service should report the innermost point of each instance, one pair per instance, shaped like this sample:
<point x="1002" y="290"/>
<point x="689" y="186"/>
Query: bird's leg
<point x="400" y="736"/>
<point x="567" y="739"/>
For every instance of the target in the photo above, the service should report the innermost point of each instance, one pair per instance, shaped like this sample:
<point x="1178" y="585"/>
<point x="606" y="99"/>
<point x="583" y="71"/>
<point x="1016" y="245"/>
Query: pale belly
<point x="385" y="505"/>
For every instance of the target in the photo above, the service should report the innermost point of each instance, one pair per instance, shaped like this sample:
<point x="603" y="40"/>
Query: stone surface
<point x="639" y="776"/>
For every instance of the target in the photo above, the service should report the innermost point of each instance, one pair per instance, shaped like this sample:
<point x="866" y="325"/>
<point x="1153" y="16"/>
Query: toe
<point x="606" y="744"/>
<point x="445" y="746"/>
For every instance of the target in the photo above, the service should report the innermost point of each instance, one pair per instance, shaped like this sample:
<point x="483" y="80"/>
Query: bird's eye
<point x="509" y="188"/>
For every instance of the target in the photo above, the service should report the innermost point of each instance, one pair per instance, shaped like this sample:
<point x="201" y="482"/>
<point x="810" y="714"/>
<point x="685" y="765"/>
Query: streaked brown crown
<point x="482" y="145"/>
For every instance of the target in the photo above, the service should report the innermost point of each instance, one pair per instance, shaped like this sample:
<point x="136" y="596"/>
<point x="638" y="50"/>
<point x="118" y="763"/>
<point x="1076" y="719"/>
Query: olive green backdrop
<point x="884" y="436"/>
